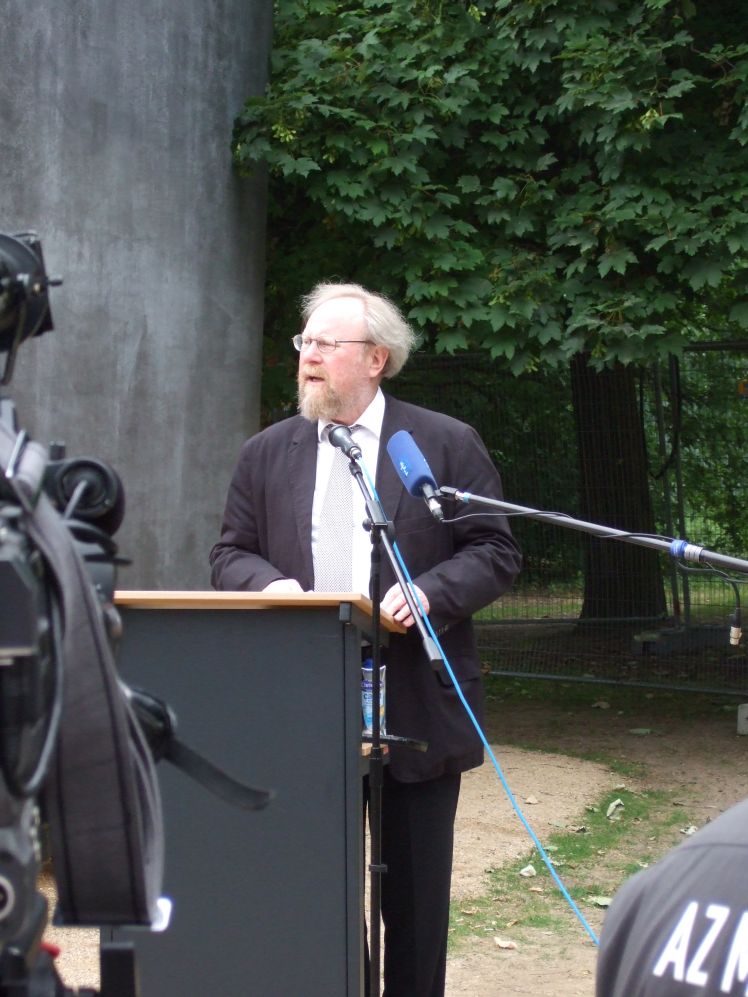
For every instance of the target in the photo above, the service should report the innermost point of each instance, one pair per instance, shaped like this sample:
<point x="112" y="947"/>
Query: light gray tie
<point x="333" y="552"/>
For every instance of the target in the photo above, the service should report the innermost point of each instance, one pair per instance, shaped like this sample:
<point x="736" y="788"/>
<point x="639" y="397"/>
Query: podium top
<point x="250" y="600"/>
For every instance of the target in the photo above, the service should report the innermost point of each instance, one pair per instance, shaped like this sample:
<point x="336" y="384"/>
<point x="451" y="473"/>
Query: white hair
<point x="385" y="324"/>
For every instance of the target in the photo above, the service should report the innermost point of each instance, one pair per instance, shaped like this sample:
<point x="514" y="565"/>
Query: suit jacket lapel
<point x="389" y="487"/>
<point x="302" y="472"/>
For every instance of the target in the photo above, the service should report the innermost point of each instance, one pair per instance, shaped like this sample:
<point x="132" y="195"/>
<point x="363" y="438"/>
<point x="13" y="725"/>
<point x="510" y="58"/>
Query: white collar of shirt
<point x="368" y="434"/>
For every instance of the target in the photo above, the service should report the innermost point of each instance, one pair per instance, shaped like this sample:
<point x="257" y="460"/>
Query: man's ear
<point x="378" y="360"/>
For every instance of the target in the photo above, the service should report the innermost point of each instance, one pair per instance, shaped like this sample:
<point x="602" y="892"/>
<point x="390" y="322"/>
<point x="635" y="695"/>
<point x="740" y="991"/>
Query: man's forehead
<point x="336" y="312"/>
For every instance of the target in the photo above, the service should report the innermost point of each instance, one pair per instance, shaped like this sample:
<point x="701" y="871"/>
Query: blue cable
<point x="497" y="767"/>
<point x="541" y="851"/>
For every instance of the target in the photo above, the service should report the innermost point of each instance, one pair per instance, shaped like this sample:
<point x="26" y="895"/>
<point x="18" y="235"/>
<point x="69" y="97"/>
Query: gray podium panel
<point x="266" y="903"/>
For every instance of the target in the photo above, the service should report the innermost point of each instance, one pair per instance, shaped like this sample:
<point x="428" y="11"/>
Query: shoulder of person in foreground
<point x="681" y="927"/>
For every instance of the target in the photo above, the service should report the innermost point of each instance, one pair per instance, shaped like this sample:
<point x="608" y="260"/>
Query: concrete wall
<point x="115" y="127"/>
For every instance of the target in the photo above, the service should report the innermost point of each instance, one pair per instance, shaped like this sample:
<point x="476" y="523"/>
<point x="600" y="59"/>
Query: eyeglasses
<point x="325" y="344"/>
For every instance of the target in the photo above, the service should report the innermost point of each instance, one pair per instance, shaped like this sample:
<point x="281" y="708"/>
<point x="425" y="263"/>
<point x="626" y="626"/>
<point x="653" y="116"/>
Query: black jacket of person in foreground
<point x="680" y="929"/>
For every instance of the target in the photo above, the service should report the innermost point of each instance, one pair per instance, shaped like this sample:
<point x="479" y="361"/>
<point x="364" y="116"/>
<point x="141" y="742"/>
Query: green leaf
<point x="616" y="260"/>
<point x="300" y="166"/>
<point x="437" y="226"/>
<point x="468" y="184"/>
<point x="378" y="147"/>
<point x="739" y="314"/>
<point x="703" y="272"/>
<point x="654" y="245"/>
<point x="449" y="342"/>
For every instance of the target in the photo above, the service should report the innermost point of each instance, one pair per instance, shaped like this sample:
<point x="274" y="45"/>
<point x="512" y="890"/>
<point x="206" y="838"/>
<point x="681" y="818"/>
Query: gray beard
<point x="323" y="405"/>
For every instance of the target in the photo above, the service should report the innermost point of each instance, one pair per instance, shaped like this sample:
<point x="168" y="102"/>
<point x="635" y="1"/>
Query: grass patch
<point x="711" y="601"/>
<point x="569" y="696"/>
<point x="591" y="860"/>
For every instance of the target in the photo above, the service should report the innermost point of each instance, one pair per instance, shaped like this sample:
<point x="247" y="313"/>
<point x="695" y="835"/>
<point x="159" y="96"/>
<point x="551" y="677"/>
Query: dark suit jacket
<point x="266" y="535"/>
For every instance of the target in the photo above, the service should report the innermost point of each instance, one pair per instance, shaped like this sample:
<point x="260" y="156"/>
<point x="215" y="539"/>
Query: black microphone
<point x="413" y="470"/>
<point x="340" y="437"/>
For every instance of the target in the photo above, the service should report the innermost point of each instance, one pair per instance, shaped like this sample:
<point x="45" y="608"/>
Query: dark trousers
<point x="417" y="844"/>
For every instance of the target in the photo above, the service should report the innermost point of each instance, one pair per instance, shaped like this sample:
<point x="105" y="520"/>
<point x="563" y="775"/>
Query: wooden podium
<point x="268" y="687"/>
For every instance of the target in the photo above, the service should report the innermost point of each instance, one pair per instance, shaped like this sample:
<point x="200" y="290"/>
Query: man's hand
<point x="394" y="603"/>
<point x="283" y="585"/>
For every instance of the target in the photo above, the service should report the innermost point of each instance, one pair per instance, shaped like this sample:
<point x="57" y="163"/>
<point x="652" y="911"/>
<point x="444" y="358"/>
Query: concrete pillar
<point x="116" y="119"/>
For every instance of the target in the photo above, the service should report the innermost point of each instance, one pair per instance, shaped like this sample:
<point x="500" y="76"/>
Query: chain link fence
<point x="693" y="413"/>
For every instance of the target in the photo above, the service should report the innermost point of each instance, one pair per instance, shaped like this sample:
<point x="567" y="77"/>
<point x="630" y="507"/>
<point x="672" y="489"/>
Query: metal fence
<point x="694" y="414"/>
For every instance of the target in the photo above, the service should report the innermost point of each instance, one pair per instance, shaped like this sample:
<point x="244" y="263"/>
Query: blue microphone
<point x="413" y="470"/>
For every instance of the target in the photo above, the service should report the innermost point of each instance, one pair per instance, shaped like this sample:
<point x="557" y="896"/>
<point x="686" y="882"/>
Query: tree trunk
<point x="621" y="579"/>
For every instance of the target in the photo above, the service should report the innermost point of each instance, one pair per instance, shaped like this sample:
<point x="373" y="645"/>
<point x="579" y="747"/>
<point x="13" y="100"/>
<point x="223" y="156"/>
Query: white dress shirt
<point x="367" y="436"/>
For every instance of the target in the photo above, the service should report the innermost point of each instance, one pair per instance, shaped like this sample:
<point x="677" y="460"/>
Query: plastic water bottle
<point x="367" y="695"/>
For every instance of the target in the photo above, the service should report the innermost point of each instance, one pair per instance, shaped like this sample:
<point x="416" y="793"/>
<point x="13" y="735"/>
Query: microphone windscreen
<point x="340" y="437"/>
<point x="410" y="463"/>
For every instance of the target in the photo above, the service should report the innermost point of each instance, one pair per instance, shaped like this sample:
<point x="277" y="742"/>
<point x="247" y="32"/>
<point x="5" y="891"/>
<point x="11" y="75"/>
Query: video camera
<point x="72" y="756"/>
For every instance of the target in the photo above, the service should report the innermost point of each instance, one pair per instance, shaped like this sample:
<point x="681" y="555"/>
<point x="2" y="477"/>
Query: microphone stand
<point x="674" y="547"/>
<point x="382" y="533"/>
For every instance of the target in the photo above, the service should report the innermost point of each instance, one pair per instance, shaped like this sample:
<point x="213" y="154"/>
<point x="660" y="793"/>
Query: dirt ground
<point x="699" y="757"/>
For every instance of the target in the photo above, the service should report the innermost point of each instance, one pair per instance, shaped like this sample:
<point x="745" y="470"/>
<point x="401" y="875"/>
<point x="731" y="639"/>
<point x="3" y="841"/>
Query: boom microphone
<point x="413" y="470"/>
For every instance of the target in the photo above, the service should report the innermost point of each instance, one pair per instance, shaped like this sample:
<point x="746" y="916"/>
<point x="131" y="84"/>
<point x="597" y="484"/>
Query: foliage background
<point x="530" y="178"/>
